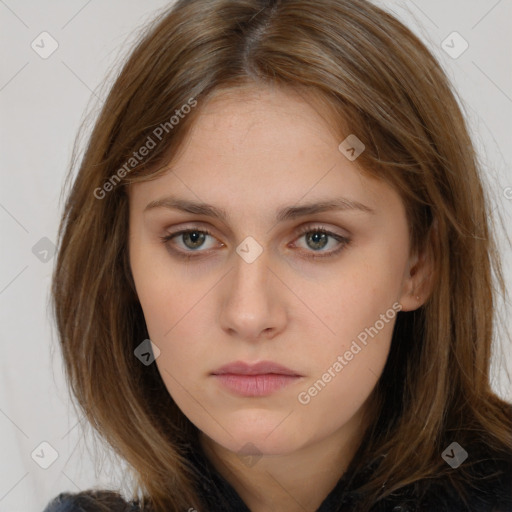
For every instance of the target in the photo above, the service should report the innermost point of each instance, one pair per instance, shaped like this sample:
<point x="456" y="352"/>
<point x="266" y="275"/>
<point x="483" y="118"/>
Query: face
<point x="262" y="275"/>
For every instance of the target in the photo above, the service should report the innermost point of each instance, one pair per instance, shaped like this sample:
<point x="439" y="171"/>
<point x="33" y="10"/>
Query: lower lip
<point x="256" y="385"/>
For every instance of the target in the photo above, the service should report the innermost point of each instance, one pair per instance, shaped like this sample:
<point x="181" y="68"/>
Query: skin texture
<point x="252" y="152"/>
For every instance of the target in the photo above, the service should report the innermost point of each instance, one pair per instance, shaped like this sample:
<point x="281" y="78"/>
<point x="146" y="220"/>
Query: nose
<point x="253" y="304"/>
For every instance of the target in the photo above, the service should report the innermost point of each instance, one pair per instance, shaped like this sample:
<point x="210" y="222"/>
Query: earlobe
<point x="411" y="302"/>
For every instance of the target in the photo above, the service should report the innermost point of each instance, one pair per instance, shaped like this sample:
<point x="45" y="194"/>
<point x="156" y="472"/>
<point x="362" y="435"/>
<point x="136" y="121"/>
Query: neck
<point x="291" y="482"/>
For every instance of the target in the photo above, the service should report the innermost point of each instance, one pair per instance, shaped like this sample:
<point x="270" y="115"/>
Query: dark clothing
<point x="494" y="495"/>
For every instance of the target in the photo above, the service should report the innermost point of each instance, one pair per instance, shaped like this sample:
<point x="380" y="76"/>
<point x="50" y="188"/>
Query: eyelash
<point x="188" y="255"/>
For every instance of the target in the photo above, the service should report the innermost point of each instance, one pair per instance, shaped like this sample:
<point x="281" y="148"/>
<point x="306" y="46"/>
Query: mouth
<point x="253" y="380"/>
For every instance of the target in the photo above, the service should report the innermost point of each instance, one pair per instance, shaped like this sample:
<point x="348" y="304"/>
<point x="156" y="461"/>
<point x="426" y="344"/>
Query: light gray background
<point x="42" y="102"/>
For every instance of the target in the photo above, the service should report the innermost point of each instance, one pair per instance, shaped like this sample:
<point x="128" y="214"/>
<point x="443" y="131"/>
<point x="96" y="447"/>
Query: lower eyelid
<point x="342" y="243"/>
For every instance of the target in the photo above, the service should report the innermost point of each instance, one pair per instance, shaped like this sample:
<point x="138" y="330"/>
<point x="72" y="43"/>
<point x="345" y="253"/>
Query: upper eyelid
<point x="311" y="225"/>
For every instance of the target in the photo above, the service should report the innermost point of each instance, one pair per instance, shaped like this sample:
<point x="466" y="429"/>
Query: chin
<point x="254" y="441"/>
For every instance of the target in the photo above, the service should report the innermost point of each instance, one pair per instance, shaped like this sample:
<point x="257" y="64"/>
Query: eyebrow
<point x="284" y="214"/>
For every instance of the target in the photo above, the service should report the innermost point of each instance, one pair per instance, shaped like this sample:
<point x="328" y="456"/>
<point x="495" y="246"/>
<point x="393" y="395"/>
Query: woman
<point x="274" y="282"/>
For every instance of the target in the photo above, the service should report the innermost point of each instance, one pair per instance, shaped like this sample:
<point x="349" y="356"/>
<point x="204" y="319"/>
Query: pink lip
<point x="260" y="379"/>
<point x="263" y="367"/>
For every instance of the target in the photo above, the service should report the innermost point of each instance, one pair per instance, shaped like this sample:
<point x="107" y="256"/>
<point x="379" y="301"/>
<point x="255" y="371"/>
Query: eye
<point x="193" y="239"/>
<point x="317" y="238"/>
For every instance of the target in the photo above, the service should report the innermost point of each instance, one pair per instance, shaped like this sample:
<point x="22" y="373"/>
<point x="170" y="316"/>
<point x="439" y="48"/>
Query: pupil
<point x="316" y="240"/>
<point x="195" y="237"/>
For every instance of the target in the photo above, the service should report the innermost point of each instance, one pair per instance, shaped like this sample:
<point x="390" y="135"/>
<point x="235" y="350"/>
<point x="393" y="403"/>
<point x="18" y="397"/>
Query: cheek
<point x="360" y="308"/>
<point x="171" y="310"/>
<point x="346" y="366"/>
<point x="173" y="305"/>
<point x="171" y="327"/>
<point x="361" y="291"/>
<point x="165" y="293"/>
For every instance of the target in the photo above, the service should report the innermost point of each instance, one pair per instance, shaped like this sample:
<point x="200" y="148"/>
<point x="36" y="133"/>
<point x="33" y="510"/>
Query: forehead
<point x="265" y="110"/>
<point x="254" y="149"/>
<point x="263" y="135"/>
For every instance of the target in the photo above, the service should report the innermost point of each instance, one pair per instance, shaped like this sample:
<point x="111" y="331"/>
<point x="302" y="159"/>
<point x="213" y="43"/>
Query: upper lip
<point x="260" y="368"/>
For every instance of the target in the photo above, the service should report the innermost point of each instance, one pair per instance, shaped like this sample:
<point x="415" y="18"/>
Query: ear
<point x="419" y="278"/>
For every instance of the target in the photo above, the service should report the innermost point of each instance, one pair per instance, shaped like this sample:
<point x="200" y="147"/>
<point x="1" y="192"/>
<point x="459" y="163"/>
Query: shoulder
<point x="91" y="501"/>
<point x="488" y="489"/>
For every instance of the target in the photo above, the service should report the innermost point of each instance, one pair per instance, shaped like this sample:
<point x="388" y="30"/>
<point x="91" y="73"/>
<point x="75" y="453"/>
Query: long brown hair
<point x="381" y="83"/>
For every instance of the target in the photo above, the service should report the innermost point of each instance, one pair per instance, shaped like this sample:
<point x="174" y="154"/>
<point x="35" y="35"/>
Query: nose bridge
<point x="251" y="304"/>
<point x="250" y="277"/>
